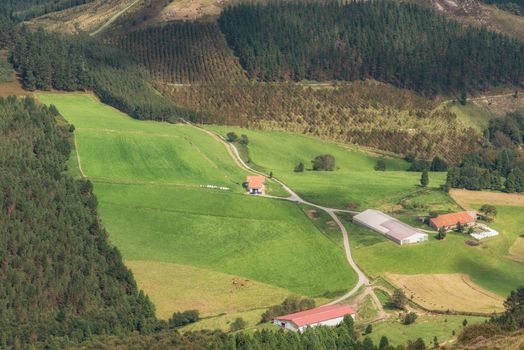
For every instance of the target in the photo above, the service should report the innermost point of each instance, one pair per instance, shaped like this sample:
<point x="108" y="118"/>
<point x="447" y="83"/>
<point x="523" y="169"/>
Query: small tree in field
<point x="490" y="211"/>
<point x="299" y="168"/>
<point x="381" y="165"/>
<point x="369" y="329"/>
<point x="459" y="227"/>
<point x="237" y="324"/>
<point x="324" y="162"/>
<point x="409" y="318"/>
<point x="244" y="140"/>
<point x="231" y="136"/>
<point x="441" y="233"/>
<point x="424" y="179"/>
<point x="399" y="298"/>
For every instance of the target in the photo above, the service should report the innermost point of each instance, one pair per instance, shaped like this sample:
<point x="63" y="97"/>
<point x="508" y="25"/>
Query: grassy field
<point x="516" y="251"/>
<point x="448" y="292"/>
<point x="185" y="287"/>
<point x="425" y="327"/>
<point x="353" y="184"/>
<point x="148" y="179"/>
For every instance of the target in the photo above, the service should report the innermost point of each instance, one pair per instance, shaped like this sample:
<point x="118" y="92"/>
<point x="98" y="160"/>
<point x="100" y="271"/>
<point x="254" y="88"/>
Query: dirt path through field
<point x="114" y="18"/>
<point x="294" y="197"/>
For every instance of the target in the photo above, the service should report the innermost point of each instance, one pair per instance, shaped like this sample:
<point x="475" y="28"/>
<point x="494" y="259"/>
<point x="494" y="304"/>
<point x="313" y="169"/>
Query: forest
<point x="46" y="61"/>
<point x="500" y="164"/>
<point x="183" y="52"/>
<point x="514" y="6"/>
<point x="399" y="43"/>
<point x="27" y="9"/>
<point x="60" y="280"/>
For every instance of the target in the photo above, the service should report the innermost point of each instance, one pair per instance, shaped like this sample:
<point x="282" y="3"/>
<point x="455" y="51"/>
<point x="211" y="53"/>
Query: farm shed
<point x="255" y="184"/>
<point x="450" y="221"/>
<point x="330" y="315"/>
<point x="392" y="228"/>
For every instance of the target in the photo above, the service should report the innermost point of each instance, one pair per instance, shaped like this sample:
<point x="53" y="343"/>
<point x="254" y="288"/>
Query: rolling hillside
<point x="148" y="179"/>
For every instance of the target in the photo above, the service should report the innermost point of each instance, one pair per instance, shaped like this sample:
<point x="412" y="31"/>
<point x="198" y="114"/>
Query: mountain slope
<point x="59" y="277"/>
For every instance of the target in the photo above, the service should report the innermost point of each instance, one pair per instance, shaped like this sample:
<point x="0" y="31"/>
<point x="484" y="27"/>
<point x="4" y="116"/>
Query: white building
<point x="392" y="228"/>
<point x="330" y="315"/>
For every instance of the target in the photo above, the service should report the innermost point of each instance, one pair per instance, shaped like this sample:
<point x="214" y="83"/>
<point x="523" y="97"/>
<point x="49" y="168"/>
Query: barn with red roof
<point x="255" y="184"/>
<point x="330" y="315"/>
<point x="450" y="221"/>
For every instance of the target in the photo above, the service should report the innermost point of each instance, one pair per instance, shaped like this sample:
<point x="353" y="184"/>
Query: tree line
<point x="399" y="43"/>
<point x="26" y="9"/>
<point x="44" y="61"/>
<point x="61" y="282"/>
<point x="497" y="166"/>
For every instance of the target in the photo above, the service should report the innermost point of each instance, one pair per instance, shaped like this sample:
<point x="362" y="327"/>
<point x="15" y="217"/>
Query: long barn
<point x="395" y="230"/>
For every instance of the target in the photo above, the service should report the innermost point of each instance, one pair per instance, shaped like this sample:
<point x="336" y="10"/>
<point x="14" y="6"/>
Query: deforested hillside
<point x="366" y="113"/>
<point x="183" y="52"/>
<point x="403" y="44"/>
<point x="60" y="280"/>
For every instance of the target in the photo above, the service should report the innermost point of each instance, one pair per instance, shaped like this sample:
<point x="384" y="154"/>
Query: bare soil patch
<point x="442" y="292"/>
<point x="466" y="198"/>
<point x="13" y="88"/>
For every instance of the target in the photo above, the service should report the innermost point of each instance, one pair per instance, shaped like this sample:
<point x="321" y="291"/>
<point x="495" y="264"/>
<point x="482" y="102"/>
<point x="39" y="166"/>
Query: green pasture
<point x="148" y="179"/>
<point x="353" y="183"/>
<point x="425" y="327"/>
<point x="488" y="264"/>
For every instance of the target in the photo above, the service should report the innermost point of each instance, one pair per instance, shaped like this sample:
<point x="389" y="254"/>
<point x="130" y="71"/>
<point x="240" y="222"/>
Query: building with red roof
<point x="330" y="315"/>
<point x="450" y="221"/>
<point x="255" y="184"/>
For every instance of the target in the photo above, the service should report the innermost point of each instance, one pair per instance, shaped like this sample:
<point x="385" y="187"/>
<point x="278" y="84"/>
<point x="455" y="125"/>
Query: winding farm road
<point x="294" y="197"/>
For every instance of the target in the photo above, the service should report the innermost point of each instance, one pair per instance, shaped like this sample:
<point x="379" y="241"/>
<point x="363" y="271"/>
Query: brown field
<point x="13" y="88"/>
<point x="174" y="287"/>
<point x="516" y="251"/>
<point x="465" y="198"/>
<point x="455" y="292"/>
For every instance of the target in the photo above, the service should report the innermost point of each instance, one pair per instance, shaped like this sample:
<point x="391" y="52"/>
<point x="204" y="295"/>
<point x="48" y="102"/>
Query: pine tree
<point x="424" y="179"/>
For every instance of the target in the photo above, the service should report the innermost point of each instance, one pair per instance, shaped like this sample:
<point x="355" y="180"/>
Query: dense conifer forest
<point x="186" y="52"/>
<point x="26" y="9"/>
<point x="403" y="44"/>
<point x="513" y="6"/>
<point x="46" y="61"/>
<point x="60" y="280"/>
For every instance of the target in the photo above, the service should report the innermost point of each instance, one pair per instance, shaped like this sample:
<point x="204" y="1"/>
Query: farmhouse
<point x="392" y="228"/>
<point x="330" y="315"/>
<point x="450" y="221"/>
<point x="255" y="184"/>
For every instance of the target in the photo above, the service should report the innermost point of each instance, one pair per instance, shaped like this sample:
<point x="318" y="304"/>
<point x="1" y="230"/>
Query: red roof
<point x="452" y="219"/>
<point x="255" y="182"/>
<point x="317" y="315"/>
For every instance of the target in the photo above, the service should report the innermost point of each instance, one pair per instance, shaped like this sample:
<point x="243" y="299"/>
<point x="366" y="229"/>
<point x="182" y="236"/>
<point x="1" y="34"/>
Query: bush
<point x="381" y="165"/>
<point x="231" y="136"/>
<point x="325" y="162"/>
<point x="486" y="330"/>
<point x="299" y="168"/>
<point x="399" y="299"/>
<point x="243" y="140"/>
<point x="369" y="329"/>
<point x="237" y="324"/>
<point x="289" y="305"/>
<point x="409" y="318"/>
<point x="180" y="319"/>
